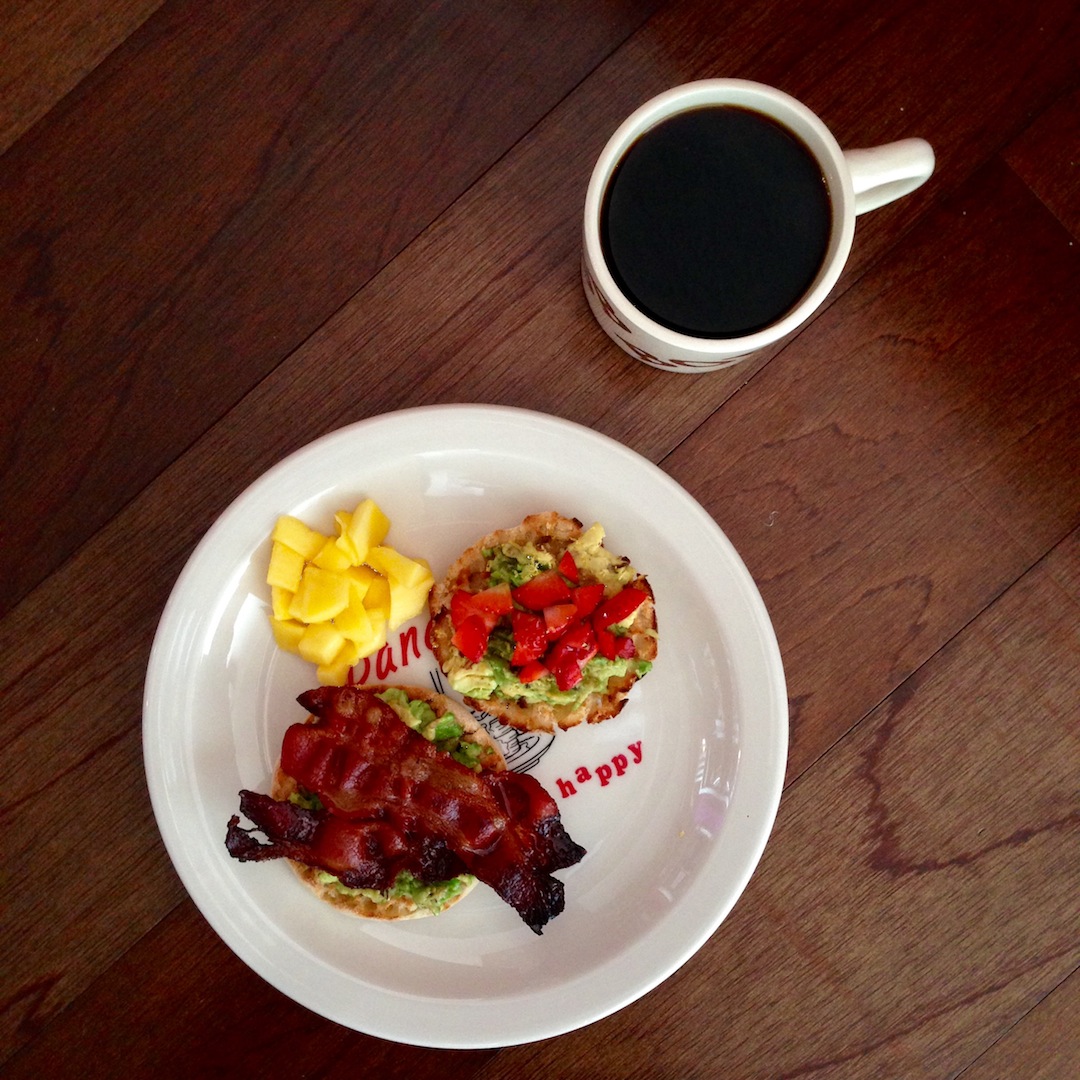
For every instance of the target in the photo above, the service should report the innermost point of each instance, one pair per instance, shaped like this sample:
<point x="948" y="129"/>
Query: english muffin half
<point x="542" y="626"/>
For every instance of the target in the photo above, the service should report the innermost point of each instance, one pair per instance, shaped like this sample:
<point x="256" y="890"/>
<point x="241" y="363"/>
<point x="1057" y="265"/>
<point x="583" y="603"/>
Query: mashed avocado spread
<point x="494" y="675"/>
<point x="431" y="898"/>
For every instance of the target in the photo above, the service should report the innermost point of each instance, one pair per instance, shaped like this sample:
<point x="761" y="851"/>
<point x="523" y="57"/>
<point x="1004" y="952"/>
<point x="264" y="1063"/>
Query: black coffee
<point x="716" y="222"/>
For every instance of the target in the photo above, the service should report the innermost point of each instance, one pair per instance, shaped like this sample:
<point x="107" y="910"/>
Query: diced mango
<point x="333" y="598"/>
<point x="293" y="533"/>
<point x="368" y="527"/>
<point x="286" y="567"/>
<point x="360" y="579"/>
<point x="320" y="595"/>
<point x="355" y="622"/>
<point x="341" y="527"/>
<point x="332" y="674"/>
<point x="332" y="557"/>
<point x="407" y="601"/>
<point x="397" y="567"/>
<point x="377" y="598"/>
<point x="287" y="633"/>
<point x="280" y="599"/>
<point x="377" y="639"/>
<point x="320" y="643"/>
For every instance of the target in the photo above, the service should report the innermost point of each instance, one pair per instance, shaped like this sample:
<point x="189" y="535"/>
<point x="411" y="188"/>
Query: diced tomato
<point x="530" y="637"/>
<point x="542" y="591"/>
<point x="489" y="604"/>
<point x="619" y="607"/>
<point x="568" y="568"/>
<point x="568" y="673"/>
<point x="557" y="617"/>
<point x="471" y="638"/>
<point x="460" y="606"/>
<point x="579" y="640"/>
<point x="567" y="658"/>
<point x="613" y="647"/>
<point x="493" y="603"/>
<point x="587" y="599"/>
<point x="531" y="671"/>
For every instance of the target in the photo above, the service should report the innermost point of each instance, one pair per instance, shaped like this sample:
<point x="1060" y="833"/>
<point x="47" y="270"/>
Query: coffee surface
<point x="716" y="222"/>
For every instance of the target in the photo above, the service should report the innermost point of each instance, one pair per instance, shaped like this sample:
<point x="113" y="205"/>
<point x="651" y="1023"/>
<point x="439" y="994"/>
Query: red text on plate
<point x="605" y="772"/>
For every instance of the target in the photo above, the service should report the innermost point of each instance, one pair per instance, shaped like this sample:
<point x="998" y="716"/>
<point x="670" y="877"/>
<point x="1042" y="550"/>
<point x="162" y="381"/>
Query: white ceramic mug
<point x="857" y="181"/>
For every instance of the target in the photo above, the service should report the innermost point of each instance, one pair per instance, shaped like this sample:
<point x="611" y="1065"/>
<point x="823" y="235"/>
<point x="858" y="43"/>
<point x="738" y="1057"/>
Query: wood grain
<point x="50" y="46"/>
<point x="167" y="249"/>
<point x="1043" y="1046"/>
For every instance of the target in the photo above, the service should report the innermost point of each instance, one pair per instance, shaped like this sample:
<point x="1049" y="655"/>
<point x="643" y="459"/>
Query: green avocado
<point x="444" y="731"/>
<point x="514" y="564"/>
<point x="596" y="562"/>
<point x="433" y="898"/>
<point x="493" y="675"/>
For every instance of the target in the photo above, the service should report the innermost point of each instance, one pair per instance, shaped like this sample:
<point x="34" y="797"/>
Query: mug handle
<point x="881" y="174"/>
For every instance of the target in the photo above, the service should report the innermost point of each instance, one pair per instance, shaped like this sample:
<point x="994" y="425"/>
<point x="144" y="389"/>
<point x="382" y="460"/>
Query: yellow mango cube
<point x="320" y="643"/>
<point x="360" y="579"/>
<point x="368" y="527"/>
<point x="407" y="601"/>
<point x="341" y="539"/>
<point x="377" y="598"/>
<point x="377" y="639"/>
<point x="336" y="673"/>
<point x="280" y="599"/>
<point x="293" y="533"/>
<point x="332" y="557"/>
<point x="355" y="622"/>
<point x="320" y="595"/>
<point x="287" y="633"/>
<point x="397" y="567"/>
<point x="286" y="567"/>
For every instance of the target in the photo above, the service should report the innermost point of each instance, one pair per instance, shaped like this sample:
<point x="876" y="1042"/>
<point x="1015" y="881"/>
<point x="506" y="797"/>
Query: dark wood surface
<point x="227" y="229"/>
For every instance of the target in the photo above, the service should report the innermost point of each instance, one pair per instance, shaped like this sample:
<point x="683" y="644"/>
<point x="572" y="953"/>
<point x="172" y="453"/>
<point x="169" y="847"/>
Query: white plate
<point x="674" y="799"/>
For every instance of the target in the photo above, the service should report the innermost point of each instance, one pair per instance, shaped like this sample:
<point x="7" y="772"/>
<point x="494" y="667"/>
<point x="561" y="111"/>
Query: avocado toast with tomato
<point x="543" y="627"/>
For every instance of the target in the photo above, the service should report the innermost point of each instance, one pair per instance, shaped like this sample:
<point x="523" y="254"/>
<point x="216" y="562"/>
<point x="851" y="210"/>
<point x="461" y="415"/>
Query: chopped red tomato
<point x="587" y="599"/>
<point x="471" y="638"/>
<point x="613" y="647"/>
<point x="531" y="671"/>
<point x="557" y="617"/>
<point x="566" y="659"/>
<point x="491" y="604"/>
<point x="568" y="568"/>
<point x="460" y="606"/>
<point x="530" y="637"/>
<point x="547" y="588"/>
<point x="568" y="673"/>
<point x="619" y="607"/>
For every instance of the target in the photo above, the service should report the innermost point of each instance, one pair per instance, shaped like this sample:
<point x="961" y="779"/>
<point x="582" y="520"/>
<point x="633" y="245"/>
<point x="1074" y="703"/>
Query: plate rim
<point x="778" y="727"/>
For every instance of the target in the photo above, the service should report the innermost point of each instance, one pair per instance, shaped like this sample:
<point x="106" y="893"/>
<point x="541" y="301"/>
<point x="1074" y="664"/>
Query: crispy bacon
<point x="392" y="801"/>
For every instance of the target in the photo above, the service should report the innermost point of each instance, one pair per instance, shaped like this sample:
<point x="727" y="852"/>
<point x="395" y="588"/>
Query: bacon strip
<point x="393" y="801"/>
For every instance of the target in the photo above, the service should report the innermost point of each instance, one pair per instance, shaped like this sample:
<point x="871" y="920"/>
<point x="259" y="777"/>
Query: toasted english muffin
<point x="519" y="555"/>
<point x="404" y="900"/>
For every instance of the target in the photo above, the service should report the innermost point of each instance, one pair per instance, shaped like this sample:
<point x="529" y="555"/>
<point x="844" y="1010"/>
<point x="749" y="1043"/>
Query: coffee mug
<point x="719" y="216"/>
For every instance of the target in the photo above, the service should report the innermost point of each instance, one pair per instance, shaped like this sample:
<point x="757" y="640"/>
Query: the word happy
<point x="605" y="772"/>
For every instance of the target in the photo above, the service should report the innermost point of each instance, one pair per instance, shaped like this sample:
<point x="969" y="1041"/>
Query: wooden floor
<point x="228" y="229"/>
